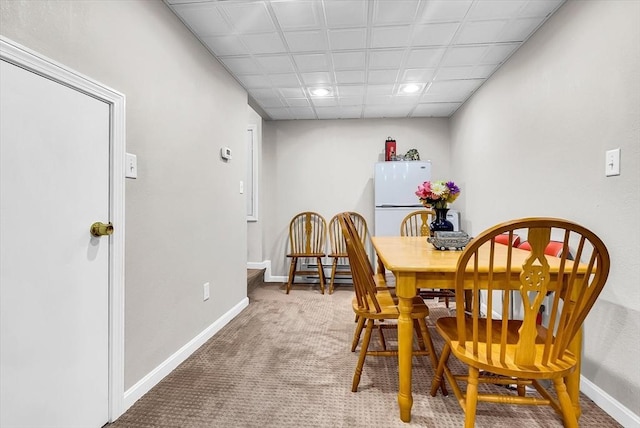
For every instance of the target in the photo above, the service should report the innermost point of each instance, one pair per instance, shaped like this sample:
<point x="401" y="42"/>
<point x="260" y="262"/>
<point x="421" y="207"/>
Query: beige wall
<point x="185" y="218"/>
<point x="532" y="141"/>
<point x="327" y="166"/>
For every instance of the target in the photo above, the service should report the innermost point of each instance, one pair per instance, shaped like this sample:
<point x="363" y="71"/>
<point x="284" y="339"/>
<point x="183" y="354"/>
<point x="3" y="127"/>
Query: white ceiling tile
<point x="284" y="80"/>
<point x="346" y="13"/>
<point x="417" y="74"/>
<point x="519" y="30"/>
<point x="296" y="92"/>
<point x="276" y="64"/>
<point x="264" y="93"/>
<point x="382" y="76"/>
<point x="379" y="100"/>
<point x="424" y="58"/>
<point x="404" y="99"/>
<point x="225" y="45"/>
<point x="350" y="76"/>
<point x="450" y="90"/>
<point x="248" y="17"/>
<point x="297" y="15"/>
<point x="455" y="73"/>
<point x="435" y="109"/>
<point x="373" y="111"/>
<point x="281" y="49"/>
<point x="386" y="58"/>
<point x="444" y="10"/>
<point x="351" y="91"/>
<point x="355" y="101"/>
<point x="269" y="43"/>
<point x="297" y="102"/>
<point x="312" y="62"/>
<point x="540" y="8"/>
<point x="269" y="102"/>
<point x="434" y="34"/>
<point x="380" y="90"/>
<point x="480" y="32"/>
<point x="349" y="60"/>
<point x="489" y="9"/>
<point x="317" y="78"/>
<point x="497" y="54"/>
<point x="302" y="112"/>
<point x="278" y="113"/>
<point x="483" y="71"/>
<point x="242" y="65"/>
<point x="348" y="38"/>
<point x="327" y="112"/>
<point x="306" y="41"/>
<point x="255" y="81"/>
<point x="394" y="12"/>
<point x="324" y="101"/>
<point x="464" y="55"/>
<point x="390" y="37"/>
<point x="204" y="19"/>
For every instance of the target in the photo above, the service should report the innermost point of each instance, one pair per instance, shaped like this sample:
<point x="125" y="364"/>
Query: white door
<point x="54" y="308"/>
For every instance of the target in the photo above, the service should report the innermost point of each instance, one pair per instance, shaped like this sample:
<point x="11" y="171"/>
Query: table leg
<point x="405" y="290"/>
<point x="381" y="268"/>
<point x="573" y="380"/>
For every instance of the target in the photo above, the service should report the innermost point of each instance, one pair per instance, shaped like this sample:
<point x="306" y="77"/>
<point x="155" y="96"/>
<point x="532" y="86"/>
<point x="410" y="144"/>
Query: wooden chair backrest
<point x="336" y="238"/>
<point x="307" y="233"/>
<point x="361" y="269"/>
<point x="485" y="265"/>
<point x="417" y="223"/>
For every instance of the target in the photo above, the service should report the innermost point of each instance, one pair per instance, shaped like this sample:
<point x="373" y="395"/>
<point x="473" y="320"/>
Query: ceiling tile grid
<point x="346" y="59"/>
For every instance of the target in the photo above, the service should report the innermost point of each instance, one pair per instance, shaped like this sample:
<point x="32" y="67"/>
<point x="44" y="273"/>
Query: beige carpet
<point x="285" y="362"/>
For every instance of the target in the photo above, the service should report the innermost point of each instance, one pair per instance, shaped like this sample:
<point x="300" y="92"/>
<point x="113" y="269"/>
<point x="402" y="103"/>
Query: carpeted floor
<point x="285" y="362"/>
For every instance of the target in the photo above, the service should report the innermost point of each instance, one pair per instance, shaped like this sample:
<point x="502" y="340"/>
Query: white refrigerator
<point x="395" y="184"/>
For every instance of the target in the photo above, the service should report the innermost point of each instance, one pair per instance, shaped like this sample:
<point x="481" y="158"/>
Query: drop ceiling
<point x="365" y="55"/>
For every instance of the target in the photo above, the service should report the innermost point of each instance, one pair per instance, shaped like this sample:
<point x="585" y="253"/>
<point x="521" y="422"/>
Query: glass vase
<point x="441" y="223"/>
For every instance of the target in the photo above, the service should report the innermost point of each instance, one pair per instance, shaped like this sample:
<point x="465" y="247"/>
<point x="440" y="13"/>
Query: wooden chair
<point x="521" y="352"/>
<point x="307" y="236"/>
<point x="417" y="224"/>
<point x="372" y="305"/>
<point x="338" y="252"/>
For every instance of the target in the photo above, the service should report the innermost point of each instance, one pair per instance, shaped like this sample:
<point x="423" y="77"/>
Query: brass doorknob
<point x="99" y="229"/>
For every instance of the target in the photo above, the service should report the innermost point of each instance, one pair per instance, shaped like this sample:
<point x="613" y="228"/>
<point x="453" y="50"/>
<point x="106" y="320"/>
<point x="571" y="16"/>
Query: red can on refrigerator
<point x="390" y="149"/>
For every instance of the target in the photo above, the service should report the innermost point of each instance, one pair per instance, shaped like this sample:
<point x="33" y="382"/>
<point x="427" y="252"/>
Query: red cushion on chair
<point x="504" y="239"/>
<point x="554" y="248"/>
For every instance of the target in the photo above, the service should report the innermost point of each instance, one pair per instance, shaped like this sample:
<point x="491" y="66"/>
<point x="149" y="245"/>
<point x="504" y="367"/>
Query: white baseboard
<point x="266" y="264"/>
<point x="611" y="406"/>
<point x="145" y="384"/>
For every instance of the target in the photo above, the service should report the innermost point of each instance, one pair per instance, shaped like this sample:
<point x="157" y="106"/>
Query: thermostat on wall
<point x="225" y="153"/>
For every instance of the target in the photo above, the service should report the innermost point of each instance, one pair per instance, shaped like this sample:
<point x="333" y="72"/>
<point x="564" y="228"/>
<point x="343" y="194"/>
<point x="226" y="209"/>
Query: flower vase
<point x="441" y="223"/>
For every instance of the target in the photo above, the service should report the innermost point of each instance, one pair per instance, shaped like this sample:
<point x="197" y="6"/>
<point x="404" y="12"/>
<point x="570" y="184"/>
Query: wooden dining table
<point x="415" y="263"/>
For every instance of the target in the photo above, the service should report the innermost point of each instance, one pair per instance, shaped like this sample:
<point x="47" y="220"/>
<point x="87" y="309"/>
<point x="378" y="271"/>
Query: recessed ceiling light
<point x="410" y="88"/>
<point x="320" y="92"/>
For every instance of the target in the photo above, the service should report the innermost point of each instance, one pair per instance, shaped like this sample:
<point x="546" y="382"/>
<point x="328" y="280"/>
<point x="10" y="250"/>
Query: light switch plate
<point x="612" y="166"/>
<point x="131" y="166"/>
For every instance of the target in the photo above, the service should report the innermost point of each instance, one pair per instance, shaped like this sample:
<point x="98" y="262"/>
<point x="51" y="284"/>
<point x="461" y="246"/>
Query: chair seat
<point x="448" y="329"/>
<point x="305" y="255"/>
<point x="338" y="255"/>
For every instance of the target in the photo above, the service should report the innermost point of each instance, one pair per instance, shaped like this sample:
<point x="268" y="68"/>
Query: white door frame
<point x="25" y="58"/>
